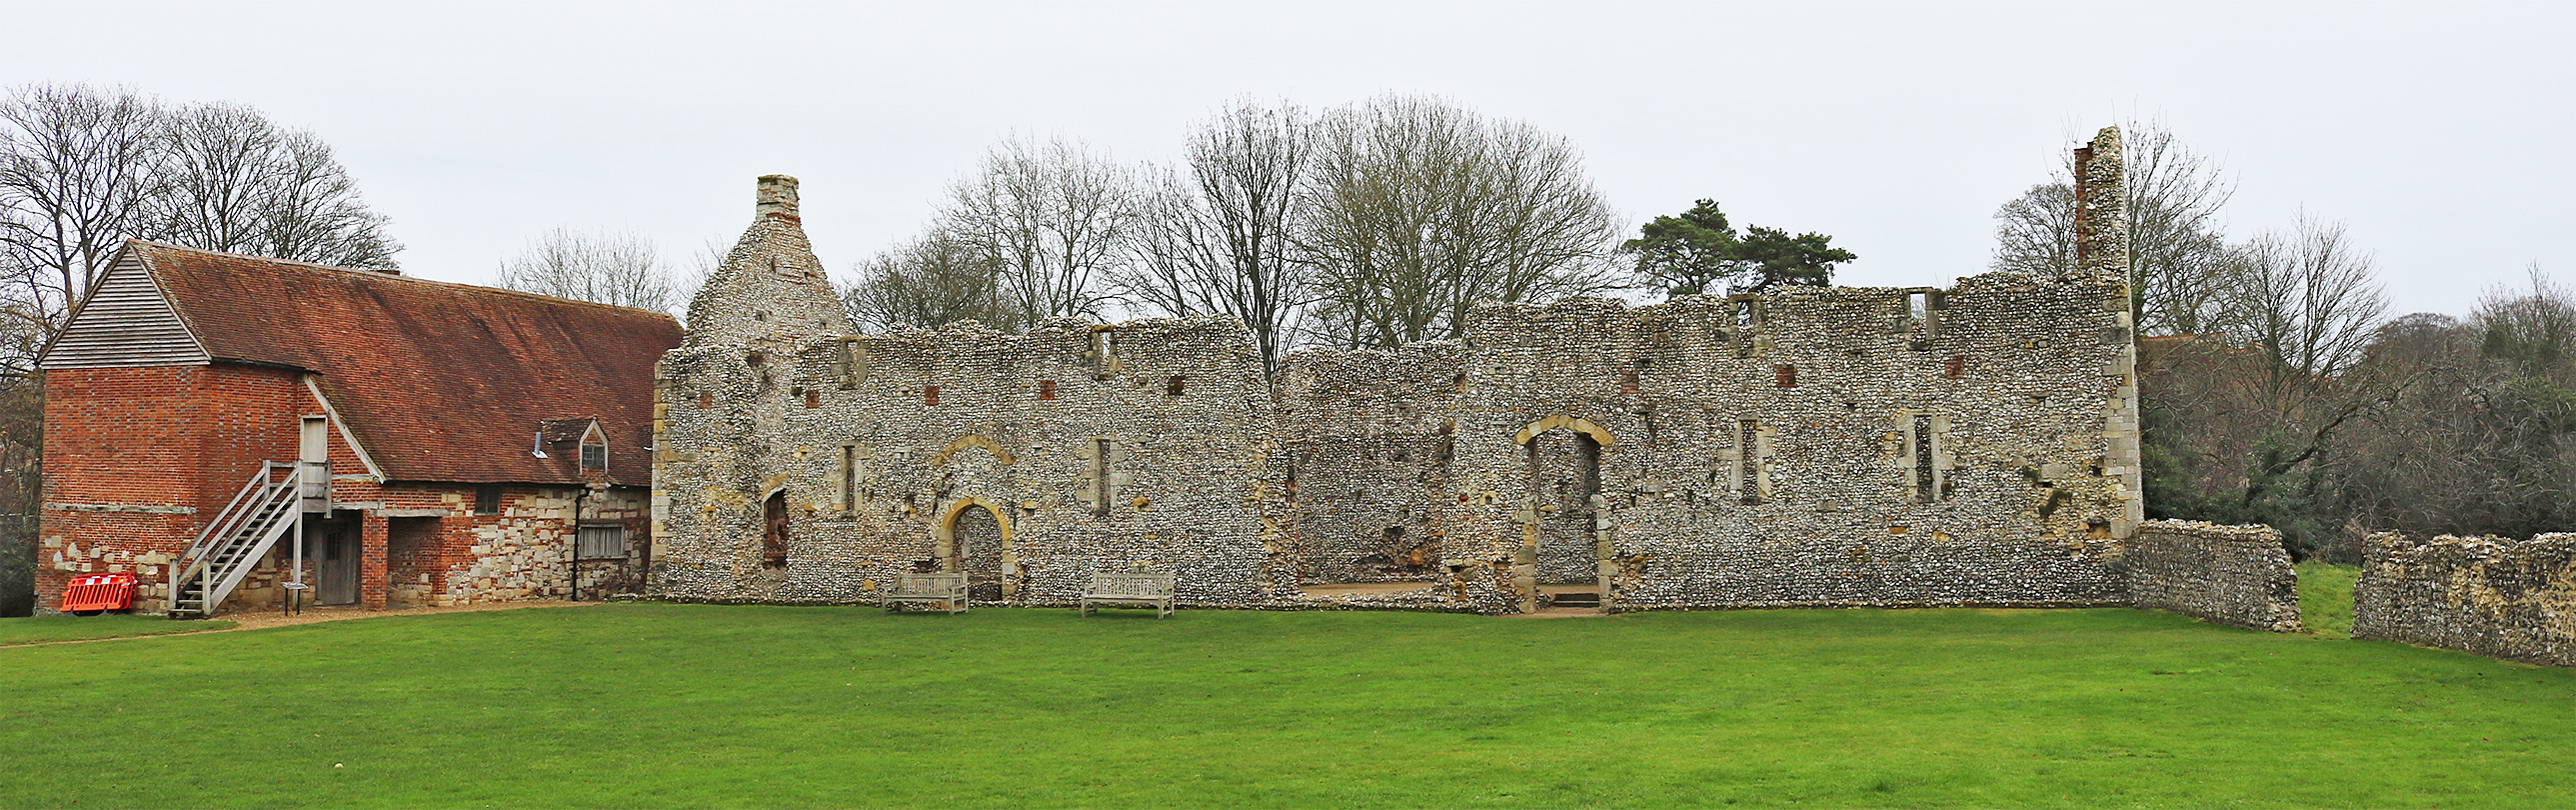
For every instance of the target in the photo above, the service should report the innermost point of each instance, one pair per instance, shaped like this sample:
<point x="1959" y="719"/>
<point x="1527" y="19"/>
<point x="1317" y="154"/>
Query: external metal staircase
<point x="266" y="510"/>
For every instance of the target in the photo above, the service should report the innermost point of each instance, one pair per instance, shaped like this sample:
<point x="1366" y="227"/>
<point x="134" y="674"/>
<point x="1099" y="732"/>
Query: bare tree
<point x="79" y="168"/>
<point x="931" y="281"/>
<point x="235" y="181"/>
<point x="1055" y="217"/>
<point x="1216" y="236"/>
<point x="1420" y="209"/>
<point x="2177" y="247"/>
<point x="607" y="267"/>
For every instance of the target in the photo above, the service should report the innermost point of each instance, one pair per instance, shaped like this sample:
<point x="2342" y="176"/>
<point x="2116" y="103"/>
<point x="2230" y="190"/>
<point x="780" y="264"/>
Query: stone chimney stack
<point x="777" y="195"/>
<point x="2101" y="207"/>
<point x="770" y="288"/>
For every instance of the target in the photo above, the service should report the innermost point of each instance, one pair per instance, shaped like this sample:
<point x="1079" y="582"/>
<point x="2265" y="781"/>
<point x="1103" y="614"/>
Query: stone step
<point x="1577" y="599"/>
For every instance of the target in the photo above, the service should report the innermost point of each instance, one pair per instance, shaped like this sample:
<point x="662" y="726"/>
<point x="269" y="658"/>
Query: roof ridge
<point x="376" y="274"/>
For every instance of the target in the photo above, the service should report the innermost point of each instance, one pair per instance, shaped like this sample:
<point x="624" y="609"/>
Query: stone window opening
<point x="1172" y="387"/>
<point x="487" y="499"/>
<point x="849" y="477"/>
<point x="1787" y="375"/>
<point x="850" y="363"/>
<point x="1750" y="455"/>
<point x="773" y="530"/>
<point x="1926" y="487"/>
<point x="930" y="395"/>
<point x="1924" y="317"/>
<point x="1046" y="389"/>
<point x="1747" y="311"/>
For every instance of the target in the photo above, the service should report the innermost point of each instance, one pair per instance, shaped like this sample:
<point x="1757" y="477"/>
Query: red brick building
<point x="412" y="442"/>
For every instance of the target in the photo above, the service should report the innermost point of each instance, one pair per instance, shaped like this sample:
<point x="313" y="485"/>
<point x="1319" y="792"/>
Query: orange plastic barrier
<point x="99" y="592"/>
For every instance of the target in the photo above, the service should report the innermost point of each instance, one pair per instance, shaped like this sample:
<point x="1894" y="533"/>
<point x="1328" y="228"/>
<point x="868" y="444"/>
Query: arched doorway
<point x="1565" y="472"/>
<point x="773" y="530"/>
<point x="977" y="540"/>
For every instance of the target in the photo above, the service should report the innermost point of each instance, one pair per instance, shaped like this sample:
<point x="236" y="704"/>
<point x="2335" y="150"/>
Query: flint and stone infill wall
<point x="1367" y="440"/>
<point x="1027" y="461"/>
<point x="2237" y="575"/>
<point x="1815" y="446"/>
<point x="2485" y="595"/>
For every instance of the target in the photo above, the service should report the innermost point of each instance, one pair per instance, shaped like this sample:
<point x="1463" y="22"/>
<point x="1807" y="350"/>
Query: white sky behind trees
<point x="2439" y="132"/>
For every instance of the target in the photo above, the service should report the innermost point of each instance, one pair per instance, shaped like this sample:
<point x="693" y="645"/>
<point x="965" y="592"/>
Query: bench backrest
<point x="927" y="584"/>
<point x="1132" y="584"/>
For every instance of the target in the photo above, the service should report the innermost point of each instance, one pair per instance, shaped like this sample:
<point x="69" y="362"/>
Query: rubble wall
<point x="1029" y="461"/>
<point x="2485" y="595"/>
<point x="1814" y="446"/>
<point x="2237" y="575"/>
<point x="1366" y="435"/>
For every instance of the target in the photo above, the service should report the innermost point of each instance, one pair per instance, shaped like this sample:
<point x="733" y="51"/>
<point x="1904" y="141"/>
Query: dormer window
<point x="594" y="449"/>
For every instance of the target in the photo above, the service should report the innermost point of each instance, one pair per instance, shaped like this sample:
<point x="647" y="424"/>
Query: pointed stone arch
<point x="972" y="440"/>
<point x="953" y="558"/>
<point x="1600" y="435"/>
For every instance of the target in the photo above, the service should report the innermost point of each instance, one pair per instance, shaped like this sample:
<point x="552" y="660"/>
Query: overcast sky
<point x="2438" y="132"/>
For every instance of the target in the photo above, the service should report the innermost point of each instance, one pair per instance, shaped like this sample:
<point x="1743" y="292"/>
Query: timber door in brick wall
<point x="339" y="566"/>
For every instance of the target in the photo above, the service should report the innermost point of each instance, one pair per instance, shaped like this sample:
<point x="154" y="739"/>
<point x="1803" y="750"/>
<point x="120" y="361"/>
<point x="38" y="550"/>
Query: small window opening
<point x="594" y="455"/>
<point x="930" y="395"/>
<point x="1788" y="376"/>
<point x="1046" y="389"/>
<point x="1926" y="486"/>
<point x="601" y="542"/>
<point x="1172" y="387"/>
<point x="849" y="476"/>
<point x="1628" y="381"/>
<point x="1748" y="449"/>
<point x="1101" y="476"/>
<point x="1748" y="313"/>
<point x="487" y="499"/>
<point x="756" y="359"/>
<point x="1956" y="368"/>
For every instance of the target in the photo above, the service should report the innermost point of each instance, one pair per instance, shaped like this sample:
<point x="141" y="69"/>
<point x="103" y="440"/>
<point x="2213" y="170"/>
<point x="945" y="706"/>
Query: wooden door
<point x="339" y="568"/>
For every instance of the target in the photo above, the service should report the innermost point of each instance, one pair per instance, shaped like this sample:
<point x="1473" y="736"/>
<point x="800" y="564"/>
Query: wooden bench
<point x="948" y="591"/>
<point x="1129" y="590"/>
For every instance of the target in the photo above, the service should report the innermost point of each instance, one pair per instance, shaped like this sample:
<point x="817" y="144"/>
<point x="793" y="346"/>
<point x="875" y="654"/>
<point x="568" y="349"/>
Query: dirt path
<point x="264" y="619"/>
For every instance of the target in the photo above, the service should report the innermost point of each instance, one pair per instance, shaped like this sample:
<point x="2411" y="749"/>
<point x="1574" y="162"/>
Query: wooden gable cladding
<point x="125" y="322"/>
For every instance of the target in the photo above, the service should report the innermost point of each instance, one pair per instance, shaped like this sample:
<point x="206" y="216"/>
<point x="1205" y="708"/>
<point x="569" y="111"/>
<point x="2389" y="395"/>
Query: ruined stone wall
<point x="2485" y="595"/>
<point x="1367" y="434"/>
<point x="1029" y="461"/>
<point x="2237" y="575"/>
<point x="1808" y="447"/>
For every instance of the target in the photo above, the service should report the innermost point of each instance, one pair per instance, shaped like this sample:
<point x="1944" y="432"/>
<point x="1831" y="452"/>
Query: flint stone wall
<point x="2485" y="595"/>
<point x="2022" y="386"/>
<point x="2237" y="575"/>
<point x="1087" y="448"/>
<point x="1367" y="439"/>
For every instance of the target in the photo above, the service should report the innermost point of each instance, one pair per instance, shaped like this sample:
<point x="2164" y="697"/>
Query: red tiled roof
<point x="438" y="381"/>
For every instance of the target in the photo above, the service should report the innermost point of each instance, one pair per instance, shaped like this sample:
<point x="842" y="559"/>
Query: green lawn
<point x="72" y="628"/>
<point x="678" y="705"/>
<point x="2325" y="598"/>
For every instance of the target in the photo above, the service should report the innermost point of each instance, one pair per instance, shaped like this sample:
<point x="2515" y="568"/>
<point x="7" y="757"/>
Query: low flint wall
<point x="2237" y="575"/>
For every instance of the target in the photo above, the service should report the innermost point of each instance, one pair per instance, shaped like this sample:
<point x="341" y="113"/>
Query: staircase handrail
<point x="228" y="522"/>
